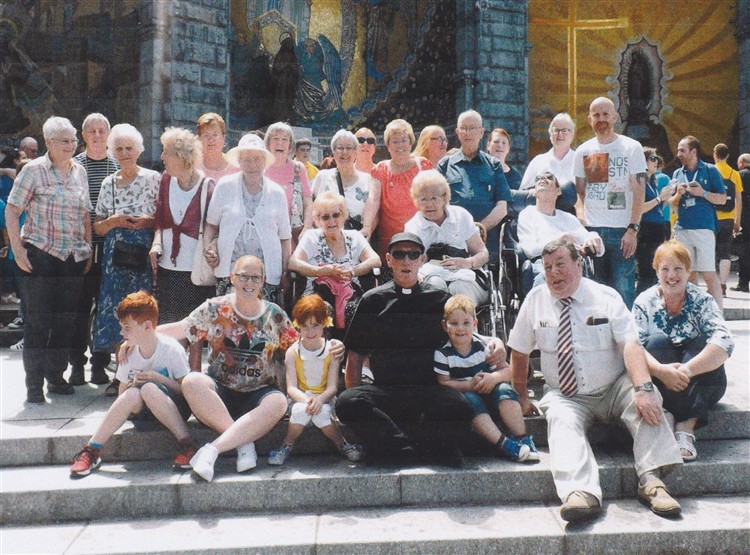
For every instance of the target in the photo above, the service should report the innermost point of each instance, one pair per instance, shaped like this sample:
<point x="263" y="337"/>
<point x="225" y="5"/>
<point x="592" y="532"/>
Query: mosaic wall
<point x="66" y="57"/>
<point x="670" y="67"/>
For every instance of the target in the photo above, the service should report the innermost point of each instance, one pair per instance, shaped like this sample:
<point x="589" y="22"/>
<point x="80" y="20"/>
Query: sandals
<point x="113" y="389"/>
<point x="686" y="442"/>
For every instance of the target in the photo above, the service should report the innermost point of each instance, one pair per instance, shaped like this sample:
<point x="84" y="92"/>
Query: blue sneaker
<point x="277" y="457"/>
<point x="514" y="449"/>
<point x="352" y="451"/>
<point x="533" y="453"/>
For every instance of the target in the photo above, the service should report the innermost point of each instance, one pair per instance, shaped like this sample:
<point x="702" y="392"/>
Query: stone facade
<point x="743" y="46"/>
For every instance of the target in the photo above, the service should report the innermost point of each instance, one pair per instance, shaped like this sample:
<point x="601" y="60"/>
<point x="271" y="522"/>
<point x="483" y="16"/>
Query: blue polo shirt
<point x="696" y="212"/>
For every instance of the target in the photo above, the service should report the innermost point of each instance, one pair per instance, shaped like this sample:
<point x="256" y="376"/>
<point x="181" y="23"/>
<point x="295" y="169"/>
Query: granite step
<point x="709" y="524"/>
<point x="121" y="490"/>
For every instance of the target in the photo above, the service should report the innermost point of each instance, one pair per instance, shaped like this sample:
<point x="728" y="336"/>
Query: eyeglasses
<point x="653" y="158"/>
<point x="425" y="200"/>
<point x="563" y="131"/>
<point x="401" y="255"/>
<point x="368" y="140"/>
<point x="66" y="142"/>
<point x="345" y="149"/>
<point x="326" y="217"/>
<point x="439" y="139"/>
<point x="467" y="129"/>
<point x="244" y="278"/>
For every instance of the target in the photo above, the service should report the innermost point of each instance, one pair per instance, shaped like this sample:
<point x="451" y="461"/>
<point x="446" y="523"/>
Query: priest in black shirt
<point x="398" y="325"/>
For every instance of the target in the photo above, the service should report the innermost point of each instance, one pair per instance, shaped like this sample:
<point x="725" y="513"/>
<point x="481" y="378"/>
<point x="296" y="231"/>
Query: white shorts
<point x="321" y="420"/>
<point x="701" y="244"/>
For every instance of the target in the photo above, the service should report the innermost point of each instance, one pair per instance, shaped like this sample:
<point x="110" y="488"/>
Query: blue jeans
<point x="612" y="269"/>
<point x="487" y="403"/>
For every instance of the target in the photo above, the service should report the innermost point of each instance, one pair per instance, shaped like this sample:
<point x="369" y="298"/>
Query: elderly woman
<point x="687" y="342"/>
<point x="212" y="132"/>
<point x="248" y="215"/>
<point x="239" y="395"/>
<point x="177" y="225"/>
<point x="652" y="232"/>
<point x="53" y="252"/>
<point x="542" y="223"/>
<point x="291" y="176"/>
<point x="432" y="144"/>
<point x="453" y="245"/>
<point x="366" y="150"/>
<point x="499" y="147"/>
<point x="125" y="218"/>
<point x="390" y="193"/>
<point x="345" y="179"/>
<point x="333" y="258"/>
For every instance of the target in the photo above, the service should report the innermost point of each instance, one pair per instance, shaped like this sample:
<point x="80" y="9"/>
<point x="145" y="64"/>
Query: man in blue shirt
<point x="477" y="180"/>
<point x="699" y="188"/>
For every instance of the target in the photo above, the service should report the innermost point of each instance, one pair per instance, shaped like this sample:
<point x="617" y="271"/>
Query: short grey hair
<point x="563" y="116"/>
<point x="27" y="141"/>
<point x="343" y="135"/>
<point x="745" y="159"/>
<point x="555" y="244"/>
<point x="468" y="113"/>
<point x="125" y="131"/>
<point x="55" y="126"/>
<point x="96" y="117"/>
<point x="280" y="127"/>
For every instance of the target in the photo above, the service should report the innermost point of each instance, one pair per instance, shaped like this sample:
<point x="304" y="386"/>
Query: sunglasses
<point x="368" y="140"/>
<point x="401" y="255"/>
<point x="326" y="217"/>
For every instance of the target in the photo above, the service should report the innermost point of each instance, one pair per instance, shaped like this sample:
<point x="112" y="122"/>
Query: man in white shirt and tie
<point x="594" y="368"/>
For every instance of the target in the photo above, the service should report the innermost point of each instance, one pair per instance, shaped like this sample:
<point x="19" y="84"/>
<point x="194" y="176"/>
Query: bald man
<point x="610" y="172"/>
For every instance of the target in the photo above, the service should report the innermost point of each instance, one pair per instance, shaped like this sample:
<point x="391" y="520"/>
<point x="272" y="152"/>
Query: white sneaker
<point x="17" y="346"/>
<point x="247" y="458"/>
<point x="203" y="461"/>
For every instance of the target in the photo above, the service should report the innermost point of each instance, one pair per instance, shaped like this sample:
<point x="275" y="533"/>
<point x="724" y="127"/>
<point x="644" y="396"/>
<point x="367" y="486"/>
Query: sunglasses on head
<point x="368" y="140"/>
<point x="326" y="217"/>
<point x="401" y="255"/>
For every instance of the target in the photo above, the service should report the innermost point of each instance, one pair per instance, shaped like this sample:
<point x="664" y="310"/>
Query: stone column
<point x="743" y="55"/>
<point x="184" y="66"/>
<point x="492" y="52"/>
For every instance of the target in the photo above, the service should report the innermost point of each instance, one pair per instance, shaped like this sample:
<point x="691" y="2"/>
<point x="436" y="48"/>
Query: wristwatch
<point x="645" y="386"/>
<point x="634" y="227"/>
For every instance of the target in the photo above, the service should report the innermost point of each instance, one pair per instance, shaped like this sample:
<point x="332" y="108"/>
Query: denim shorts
<point x="240" y="403"/>
<point x="487" y="403"/>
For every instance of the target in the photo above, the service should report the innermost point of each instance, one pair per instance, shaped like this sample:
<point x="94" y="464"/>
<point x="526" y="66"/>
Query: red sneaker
<point x="85" y="461"/>
<point x="183" y="456"/>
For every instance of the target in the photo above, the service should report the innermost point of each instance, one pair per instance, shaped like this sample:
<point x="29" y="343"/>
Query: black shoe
<point x="62" y="388"/>
<point x="99" y="376"/>
<point x="113" y="389"/>
<point x="76" y="376"/>
<point x="741" y="288"/>
<point x="36" y="397"/>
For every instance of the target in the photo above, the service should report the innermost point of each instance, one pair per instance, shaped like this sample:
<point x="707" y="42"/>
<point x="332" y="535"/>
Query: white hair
<point x="125" y="131"/>
<point x="96" y="117"/>
<point x="343" y="135"/>
<point x="55" y="126"/>
<point x="565" y="117"/>
<point x="280" y="127"/>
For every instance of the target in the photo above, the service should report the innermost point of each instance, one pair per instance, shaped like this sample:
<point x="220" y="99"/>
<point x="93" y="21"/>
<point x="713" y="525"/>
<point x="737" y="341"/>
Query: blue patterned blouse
<point x="699" y="316"/>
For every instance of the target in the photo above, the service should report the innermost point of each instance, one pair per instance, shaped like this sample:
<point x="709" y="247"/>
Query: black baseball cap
<point x="406" y="237"/>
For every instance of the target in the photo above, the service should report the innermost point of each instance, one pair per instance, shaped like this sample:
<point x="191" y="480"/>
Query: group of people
<point x="209" y="252"/>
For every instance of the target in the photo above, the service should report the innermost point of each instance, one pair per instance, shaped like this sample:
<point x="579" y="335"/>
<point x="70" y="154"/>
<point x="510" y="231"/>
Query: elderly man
<point x="610" y="172"/>
<point x="595" y="369"/>
<point x="29" y="146"/>
<point x="399" y="326"/>
<point x="699" y="190"/>
<point x="98" y="165"/>
<point x="743" y="163"/>
<point x="53" y="251"/>
<point x="559" y="159"/>
<point x="477" y="180"/>
<point x="729" y="214"/>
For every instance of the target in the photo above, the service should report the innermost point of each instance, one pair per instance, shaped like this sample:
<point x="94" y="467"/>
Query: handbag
<point x="129" y="256"/>
<point x="202" y="273"/>
<point x="352" y="222"/>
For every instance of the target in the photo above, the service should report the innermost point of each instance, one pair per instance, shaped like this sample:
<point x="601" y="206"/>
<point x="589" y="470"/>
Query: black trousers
<point x="440" y="418"/>
<point x="51" y="292"/>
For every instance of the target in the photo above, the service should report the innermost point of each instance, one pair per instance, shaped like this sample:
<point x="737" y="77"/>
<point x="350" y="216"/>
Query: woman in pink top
<point x="212" y="134"/>
<point x="291" y="176"/>
<point x="390" y="190"/>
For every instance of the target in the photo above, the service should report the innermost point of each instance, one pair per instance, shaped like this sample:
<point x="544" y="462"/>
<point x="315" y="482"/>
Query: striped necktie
<point x="566" y="370"/>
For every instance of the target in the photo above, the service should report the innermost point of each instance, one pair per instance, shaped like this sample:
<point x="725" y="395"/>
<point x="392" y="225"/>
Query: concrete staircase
<point x="320" y="503"/>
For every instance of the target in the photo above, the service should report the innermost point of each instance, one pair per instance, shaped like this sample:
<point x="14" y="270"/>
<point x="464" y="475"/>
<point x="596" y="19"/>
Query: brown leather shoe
<point x="580" y="505"/>
<point x="654" y="494"/>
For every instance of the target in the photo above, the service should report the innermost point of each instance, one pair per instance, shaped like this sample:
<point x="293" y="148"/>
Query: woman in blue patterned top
<point x="687" y="342"/>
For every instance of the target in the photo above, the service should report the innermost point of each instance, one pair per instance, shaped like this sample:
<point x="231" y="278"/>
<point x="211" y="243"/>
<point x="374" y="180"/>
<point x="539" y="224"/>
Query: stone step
<point x="43" y="494"/>
<point x="60" y="438"/>
<point x="710" y="524"/>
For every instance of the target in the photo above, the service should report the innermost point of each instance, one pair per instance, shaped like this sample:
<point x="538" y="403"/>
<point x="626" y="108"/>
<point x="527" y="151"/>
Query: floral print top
<point x="699" y="316"/>
<point x="246" y="353"/>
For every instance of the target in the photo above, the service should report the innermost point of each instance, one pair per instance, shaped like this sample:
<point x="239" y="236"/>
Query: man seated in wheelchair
<point x="333" y="258"/>
<point x="454" y="248"/>
<point x="542" y="223"/>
